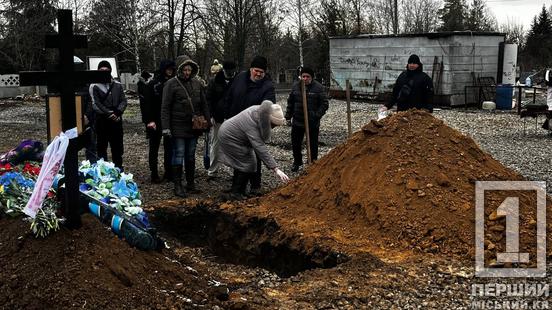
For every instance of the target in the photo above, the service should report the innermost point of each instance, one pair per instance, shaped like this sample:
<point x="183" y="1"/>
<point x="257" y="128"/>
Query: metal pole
<point x="348" y="96"/>
<point x="306" y="116"/>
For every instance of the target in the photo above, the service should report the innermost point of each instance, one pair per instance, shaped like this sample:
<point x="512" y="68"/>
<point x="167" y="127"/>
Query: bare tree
<point x="125" y="23"/>
<point x="296" y="14"/>
<point x="180" y="16"/>
<point x="420" y="16"/>
<point x="514" y="32"/>
<point x="382" y="12"/>
<point x="235" y="21"/>
<point x="80" y="8"/>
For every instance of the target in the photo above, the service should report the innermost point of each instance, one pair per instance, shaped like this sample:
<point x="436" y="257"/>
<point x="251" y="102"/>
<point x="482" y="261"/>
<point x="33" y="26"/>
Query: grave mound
<point x="406" y="182"/>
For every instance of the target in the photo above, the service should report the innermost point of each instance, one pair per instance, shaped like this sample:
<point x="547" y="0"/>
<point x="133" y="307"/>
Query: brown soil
<point x="71" y="269"/>
<point x="407" y="182"/>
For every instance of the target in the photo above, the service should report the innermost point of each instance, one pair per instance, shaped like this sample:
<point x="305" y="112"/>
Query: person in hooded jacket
<point x="243" y="143"/>
<point x="109" y="103"/>
<point x="183" y="97"/>
<point x="151" y="117"/>
<point x="216" y="91"/>
<point x="413" y="88"/>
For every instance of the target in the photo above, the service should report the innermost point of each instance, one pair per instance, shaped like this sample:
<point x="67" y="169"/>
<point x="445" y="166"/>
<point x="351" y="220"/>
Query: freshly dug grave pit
<point x="249" y="241"/>
<point x="91" y="267"/>
<point x="406" y="182"/>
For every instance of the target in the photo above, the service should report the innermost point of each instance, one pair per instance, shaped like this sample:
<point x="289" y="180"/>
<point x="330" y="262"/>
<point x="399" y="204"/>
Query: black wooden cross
<point x="66" y="80"/>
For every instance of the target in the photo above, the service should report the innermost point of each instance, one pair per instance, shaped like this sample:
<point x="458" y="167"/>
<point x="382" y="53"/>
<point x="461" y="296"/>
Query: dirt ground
<point x="384" y="221"/>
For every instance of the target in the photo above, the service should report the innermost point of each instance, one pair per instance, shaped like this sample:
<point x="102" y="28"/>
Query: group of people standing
<point x="241" y="111"/>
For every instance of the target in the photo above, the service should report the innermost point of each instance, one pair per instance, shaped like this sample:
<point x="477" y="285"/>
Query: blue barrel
<point x="504" y="94"/>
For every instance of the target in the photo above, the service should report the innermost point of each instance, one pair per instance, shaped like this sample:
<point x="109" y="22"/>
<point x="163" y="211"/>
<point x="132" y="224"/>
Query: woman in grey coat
<point x="183" y="97"/>
<point x="243" y="136"/>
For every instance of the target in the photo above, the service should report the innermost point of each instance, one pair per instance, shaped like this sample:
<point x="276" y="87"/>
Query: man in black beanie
<point x="413" y="88"/>
<point x="109" y="103"/>
<point x="317" y="105"/>
<point x="251" y="88"/>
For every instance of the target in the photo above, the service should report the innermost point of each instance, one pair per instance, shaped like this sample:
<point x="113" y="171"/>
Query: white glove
<point x="283" y="177"/>
<point x="166" y="132"/>
<point x="383" y="112"/>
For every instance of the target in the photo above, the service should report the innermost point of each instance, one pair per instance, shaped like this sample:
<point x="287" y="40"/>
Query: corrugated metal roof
<point x="430" y="35"/>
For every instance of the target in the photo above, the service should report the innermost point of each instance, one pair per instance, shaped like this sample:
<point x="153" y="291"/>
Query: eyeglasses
<point x="258" y="71"/>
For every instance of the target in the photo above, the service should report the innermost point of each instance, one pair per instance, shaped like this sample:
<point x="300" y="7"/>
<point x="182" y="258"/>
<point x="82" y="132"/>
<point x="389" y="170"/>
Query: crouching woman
<point x="243" y="136"/>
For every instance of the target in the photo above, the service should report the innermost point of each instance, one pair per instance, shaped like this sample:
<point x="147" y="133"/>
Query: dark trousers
<point x="297" y="134"/>
<point x="110" y="133"/>
<point x="154" y="137"/>
<point x="87" y="140"/>
<point x="255" y="177"/>
<point x="91" y="150"/>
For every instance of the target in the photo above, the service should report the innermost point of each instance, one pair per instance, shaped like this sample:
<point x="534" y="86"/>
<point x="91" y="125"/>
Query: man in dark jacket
<point x="109" y="103"/>
<point x="151" y="117"/>
<point x="413" y="88"/>
<point x="215" y="94"/>
<point x="248" y="89"/>
<point x="317" y="105"/>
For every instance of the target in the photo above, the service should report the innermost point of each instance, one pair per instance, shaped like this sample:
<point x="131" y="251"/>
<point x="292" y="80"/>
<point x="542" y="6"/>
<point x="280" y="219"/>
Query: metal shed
<point x="453" y="59"/>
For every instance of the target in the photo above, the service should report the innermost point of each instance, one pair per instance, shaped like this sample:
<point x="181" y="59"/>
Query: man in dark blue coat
<point x="413" y="88"/>
<point x="251" y="88"/>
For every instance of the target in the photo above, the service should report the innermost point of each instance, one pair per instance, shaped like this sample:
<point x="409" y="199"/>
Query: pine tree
<point x="478" y="18"/>
<point x="542" y="24"/>
<point x="453" y="15"/>
<point x="538" y="49"/>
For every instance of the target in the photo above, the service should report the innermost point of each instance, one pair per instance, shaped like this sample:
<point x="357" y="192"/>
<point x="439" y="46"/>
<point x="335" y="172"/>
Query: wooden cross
<point x="66" y="80"/>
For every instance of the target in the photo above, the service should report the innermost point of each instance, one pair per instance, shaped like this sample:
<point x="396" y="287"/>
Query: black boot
<point x="177" y="179"/>
<point x="190" y="177"/>
<point x="228" y="190"/>
<point x="239" y="183"/>
<point x="168" y="175"/>
<point x="155" y="179"/>
<point x="254" y="180"/>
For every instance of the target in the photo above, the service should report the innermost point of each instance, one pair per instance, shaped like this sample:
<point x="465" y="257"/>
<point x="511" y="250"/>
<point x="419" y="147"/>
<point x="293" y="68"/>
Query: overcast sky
<point x="520" y="11"/>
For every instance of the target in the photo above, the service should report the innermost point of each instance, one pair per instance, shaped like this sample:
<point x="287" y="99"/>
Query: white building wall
<point x="363" y="58"/>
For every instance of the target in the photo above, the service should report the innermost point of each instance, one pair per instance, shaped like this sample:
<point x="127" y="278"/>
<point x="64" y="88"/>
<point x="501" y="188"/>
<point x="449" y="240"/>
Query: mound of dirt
<point x="91" y="267"/>
<point x="406" y="182"/>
